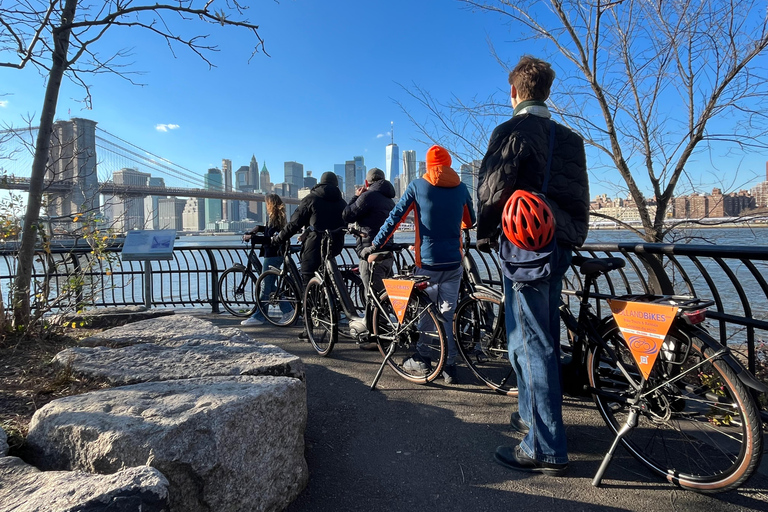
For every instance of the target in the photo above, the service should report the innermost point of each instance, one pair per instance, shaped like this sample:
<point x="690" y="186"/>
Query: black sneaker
<point x="304" y="335"/>
<point x="518" y="424"/>
<point x="449" y="374"/>
<point x="514" y="458"/>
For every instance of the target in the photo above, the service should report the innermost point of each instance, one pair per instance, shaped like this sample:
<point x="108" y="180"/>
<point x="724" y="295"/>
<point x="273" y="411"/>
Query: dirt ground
<point x="29" y="380"/>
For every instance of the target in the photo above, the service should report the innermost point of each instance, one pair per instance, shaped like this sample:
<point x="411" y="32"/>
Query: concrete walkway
<point x="411" y="447"/>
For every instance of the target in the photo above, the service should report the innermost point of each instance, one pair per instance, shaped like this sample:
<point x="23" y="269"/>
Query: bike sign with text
<point x="644" y="326"/>
<point x="399" y="292"/>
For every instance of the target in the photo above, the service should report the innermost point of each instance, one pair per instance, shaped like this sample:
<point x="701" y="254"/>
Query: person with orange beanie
<point x="441" y="205"/>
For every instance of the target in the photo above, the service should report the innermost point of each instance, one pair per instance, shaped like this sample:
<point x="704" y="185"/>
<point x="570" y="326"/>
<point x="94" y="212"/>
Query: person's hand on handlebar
<point x="487" y="245"/>
<point x="367" y="251"/>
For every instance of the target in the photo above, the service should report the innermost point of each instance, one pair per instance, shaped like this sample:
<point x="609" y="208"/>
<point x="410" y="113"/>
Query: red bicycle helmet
<point x="527" y="220"/>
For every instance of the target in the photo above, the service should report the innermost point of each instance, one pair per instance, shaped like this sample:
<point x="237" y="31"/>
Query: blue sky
<point x="326" y="93"/>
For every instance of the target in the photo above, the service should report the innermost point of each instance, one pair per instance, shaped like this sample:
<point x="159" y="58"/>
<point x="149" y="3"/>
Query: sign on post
<point x="145" y="245"/>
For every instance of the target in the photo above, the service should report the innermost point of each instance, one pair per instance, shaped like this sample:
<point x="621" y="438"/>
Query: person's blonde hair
<point x="275" y="211"/>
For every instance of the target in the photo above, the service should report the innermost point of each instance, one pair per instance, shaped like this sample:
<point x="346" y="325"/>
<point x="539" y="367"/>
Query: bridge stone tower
<point x="72" y="159"/>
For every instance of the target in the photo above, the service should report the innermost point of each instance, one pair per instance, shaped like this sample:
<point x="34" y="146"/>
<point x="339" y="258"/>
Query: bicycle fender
<point x="745" y="376"/>
<point x="486" y="290"/>
<point x="238" y="266"/>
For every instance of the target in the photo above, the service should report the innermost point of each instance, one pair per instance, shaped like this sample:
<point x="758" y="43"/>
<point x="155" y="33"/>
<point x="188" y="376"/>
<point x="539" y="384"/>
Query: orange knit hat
<point x="437" y="155"/>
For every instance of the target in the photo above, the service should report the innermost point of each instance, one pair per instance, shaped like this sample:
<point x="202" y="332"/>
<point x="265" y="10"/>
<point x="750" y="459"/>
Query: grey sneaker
<point x="449" y="374"/>
<point x="251" y="320"/>
<point x="417" y="364"/>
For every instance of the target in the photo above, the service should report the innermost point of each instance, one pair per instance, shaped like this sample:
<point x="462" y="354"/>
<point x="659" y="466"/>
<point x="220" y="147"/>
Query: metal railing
<point x="733" y="277"/>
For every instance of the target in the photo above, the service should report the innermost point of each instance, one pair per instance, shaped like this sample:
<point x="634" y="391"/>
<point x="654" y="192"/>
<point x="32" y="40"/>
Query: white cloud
<point x="165" y="127"/>
<point x="3" y="103"/>
<point x="379" y="136"/>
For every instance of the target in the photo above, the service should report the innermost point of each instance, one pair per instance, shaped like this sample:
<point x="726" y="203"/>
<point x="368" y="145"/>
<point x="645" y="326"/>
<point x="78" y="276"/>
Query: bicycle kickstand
<point x="630" y="424"/>
<point x="387" y="357"/>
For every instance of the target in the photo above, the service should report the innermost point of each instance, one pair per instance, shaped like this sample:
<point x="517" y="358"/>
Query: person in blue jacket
<point x="441" y="205"/>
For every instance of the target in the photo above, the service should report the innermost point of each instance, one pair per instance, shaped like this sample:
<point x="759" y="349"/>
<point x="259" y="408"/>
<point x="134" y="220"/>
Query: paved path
<point x="411" y="447"/>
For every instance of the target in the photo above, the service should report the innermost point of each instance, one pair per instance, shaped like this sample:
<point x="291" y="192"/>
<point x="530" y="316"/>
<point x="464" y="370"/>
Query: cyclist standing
<point x="441" y="205"/>
<point x="275" y="222"/>
<point x="319" y="211"/>
<point x="517" y="159"/>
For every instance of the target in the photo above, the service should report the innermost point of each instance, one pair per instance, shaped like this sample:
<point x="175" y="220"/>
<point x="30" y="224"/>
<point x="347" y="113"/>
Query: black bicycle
<point x="691" y="419"/>
<point x="278" y="294"/>
<point x="237" y="284"/>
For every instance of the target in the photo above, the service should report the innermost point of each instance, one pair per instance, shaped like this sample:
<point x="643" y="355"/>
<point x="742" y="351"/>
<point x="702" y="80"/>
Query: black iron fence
<point x="733" y="277"/>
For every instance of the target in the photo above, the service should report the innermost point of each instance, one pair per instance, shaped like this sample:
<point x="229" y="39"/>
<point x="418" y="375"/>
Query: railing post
<point x="214" y="282"/>
<point x="148" y="284"/>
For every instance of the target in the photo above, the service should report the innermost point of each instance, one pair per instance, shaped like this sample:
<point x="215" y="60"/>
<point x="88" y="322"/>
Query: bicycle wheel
<point x="701" y="432"/>
<point x="320" y="317"/>
<point x="481" y="339"/>
<point x="387" y="330"/>
<point x="281" y="298"/>
<point x="237" y="292"/>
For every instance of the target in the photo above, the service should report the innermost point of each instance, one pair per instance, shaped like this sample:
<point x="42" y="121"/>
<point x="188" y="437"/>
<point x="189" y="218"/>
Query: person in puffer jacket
<point x="369" y="208"/>
<point x="441" y="206"/>
<point x="516" y="159"/>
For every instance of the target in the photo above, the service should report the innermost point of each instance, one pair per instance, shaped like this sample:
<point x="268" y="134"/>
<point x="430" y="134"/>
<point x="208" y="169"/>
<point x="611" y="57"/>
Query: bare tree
<point x="60" y="38"/>
<point x="648" y="83"/>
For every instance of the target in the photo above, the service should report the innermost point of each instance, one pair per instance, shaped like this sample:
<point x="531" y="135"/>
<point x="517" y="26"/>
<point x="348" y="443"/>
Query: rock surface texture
<point x="221" y="416"/>
<point x="24" y="488"/>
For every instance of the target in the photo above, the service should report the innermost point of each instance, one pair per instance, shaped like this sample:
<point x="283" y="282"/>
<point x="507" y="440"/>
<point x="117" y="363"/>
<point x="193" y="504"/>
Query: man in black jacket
<point x="369" y="208"/>
<point x="516" y="159"/>
<point x="319" y="211"/>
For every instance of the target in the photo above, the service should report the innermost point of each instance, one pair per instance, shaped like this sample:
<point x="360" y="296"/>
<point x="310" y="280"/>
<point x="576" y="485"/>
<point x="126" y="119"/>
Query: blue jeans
<point x="270" y="285"/>
<point x="533" y="341"/>
<point x="443" y="290"/>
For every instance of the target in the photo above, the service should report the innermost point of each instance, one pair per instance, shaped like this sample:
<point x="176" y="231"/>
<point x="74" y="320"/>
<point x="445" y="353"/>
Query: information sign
<point x="143" y="245"/>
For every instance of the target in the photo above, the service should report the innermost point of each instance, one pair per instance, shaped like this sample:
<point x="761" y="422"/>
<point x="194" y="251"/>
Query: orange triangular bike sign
<point x="399" y="292"/>
<point x="644" y="326"/>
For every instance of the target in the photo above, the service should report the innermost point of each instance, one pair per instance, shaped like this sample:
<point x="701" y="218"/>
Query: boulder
<point x="3" y="443"/>
<point x="224" y="443"/>
<point x="168" y="331"/>
<point x="147" y="362"/>
<point x="110" y="317"/>
<point x="24" y="488"/>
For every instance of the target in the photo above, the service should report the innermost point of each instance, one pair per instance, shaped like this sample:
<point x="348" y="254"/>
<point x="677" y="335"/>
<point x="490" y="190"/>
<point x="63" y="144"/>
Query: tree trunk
<point x="22" y="285"/>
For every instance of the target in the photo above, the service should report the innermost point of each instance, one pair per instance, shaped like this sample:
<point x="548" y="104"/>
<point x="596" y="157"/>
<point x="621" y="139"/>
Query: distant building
<point x="265" y="185"/>
<point x="226" y="204"/>
<point x="151" y="220"/>
<point x="309" y="181"/>
<point x="294" y="176"/>
<point x="340" y="177"/>
<point x="170" y="212"/>
<point x="241" y="178"/>
<point x="193" y="215"/>
<point x="126" y="213"/>
<point x="360" y="170"/>
<point x="253" y="171"/>
<point x="392" y="170"/>
<point x="349" y="178"/>
<point x="409" y="167"/>
<point x="213" y="207"/>
<point x="422" y="169"/>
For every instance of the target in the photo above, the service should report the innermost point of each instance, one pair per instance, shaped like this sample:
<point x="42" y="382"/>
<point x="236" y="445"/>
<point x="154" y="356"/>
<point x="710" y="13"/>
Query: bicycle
<point x="689" y="417"/>
<point x="237" y="284"/>
<point x="278" y="294"/>
<point x="391" y="331"/>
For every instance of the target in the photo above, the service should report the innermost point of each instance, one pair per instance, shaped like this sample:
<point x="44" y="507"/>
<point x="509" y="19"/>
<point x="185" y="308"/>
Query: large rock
<point x="169" y="331"/>
<point x="24" y="488"/>
<point x="100" y="318"/>
<point x="148" y="362"/>
<point x="225" y="444"/>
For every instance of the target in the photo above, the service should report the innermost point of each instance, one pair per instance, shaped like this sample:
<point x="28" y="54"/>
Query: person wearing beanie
<point x="321" y="210"/>
<point x="369" y="208"/>
<point x="441" y="206"/>
<point x="533" y="153"/>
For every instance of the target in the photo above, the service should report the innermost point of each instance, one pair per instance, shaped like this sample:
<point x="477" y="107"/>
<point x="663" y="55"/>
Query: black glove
<point x="367" y="251"/>
<point x="486" y="245"/>
<point x="276" y="240"/>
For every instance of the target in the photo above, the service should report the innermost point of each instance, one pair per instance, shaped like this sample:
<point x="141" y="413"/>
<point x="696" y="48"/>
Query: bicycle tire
<point x="386" y="330"/>
<point x="482" y="342"/>
<point x="702" y="432"/>
<point x="237" y="292"/>
<point x="285" y="295"/>
<point x="320" y="317"/>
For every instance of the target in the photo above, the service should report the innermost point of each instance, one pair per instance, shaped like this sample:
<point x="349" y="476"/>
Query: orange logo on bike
<point x="399" y="292"/>
<point x="644" y="326"/>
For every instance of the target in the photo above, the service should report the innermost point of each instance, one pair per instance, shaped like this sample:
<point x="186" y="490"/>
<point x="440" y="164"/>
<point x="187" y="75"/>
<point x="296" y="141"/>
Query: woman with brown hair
<point x="276" y="220"/>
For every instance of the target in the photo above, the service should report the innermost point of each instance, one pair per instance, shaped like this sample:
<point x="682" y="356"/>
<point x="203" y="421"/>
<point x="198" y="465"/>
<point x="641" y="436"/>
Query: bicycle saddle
<point x="597" y="265"/>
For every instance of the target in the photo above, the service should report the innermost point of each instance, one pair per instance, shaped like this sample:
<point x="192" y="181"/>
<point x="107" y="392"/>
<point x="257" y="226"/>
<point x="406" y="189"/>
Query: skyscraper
<point x="170" y="211"/>
<point x="265" y="185"/>
<point x="127" y="212"/>
<point x="294" y="175"/>
<point x="409" y="168"/>
<point x="253" y="171"/>
<point x="309" y="180"/>
<point x="393" y="161"/>
<point x="151" y="219"/>
<point x="226" y="171"/>
<point x="360" y="170"/>
<point x="349" y="178"/>
<point x="213" y="207"/>
<point x="241" y="177"/>
<point x="422" y="169"/>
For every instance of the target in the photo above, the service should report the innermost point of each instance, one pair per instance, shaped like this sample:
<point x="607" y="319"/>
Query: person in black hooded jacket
<point x="369" y="208"/>
<point x="319" y="211"/>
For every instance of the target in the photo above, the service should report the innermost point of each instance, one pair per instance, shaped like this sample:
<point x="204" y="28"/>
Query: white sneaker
<point x="287" y="317"/>
<point x="252" y="321"/>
